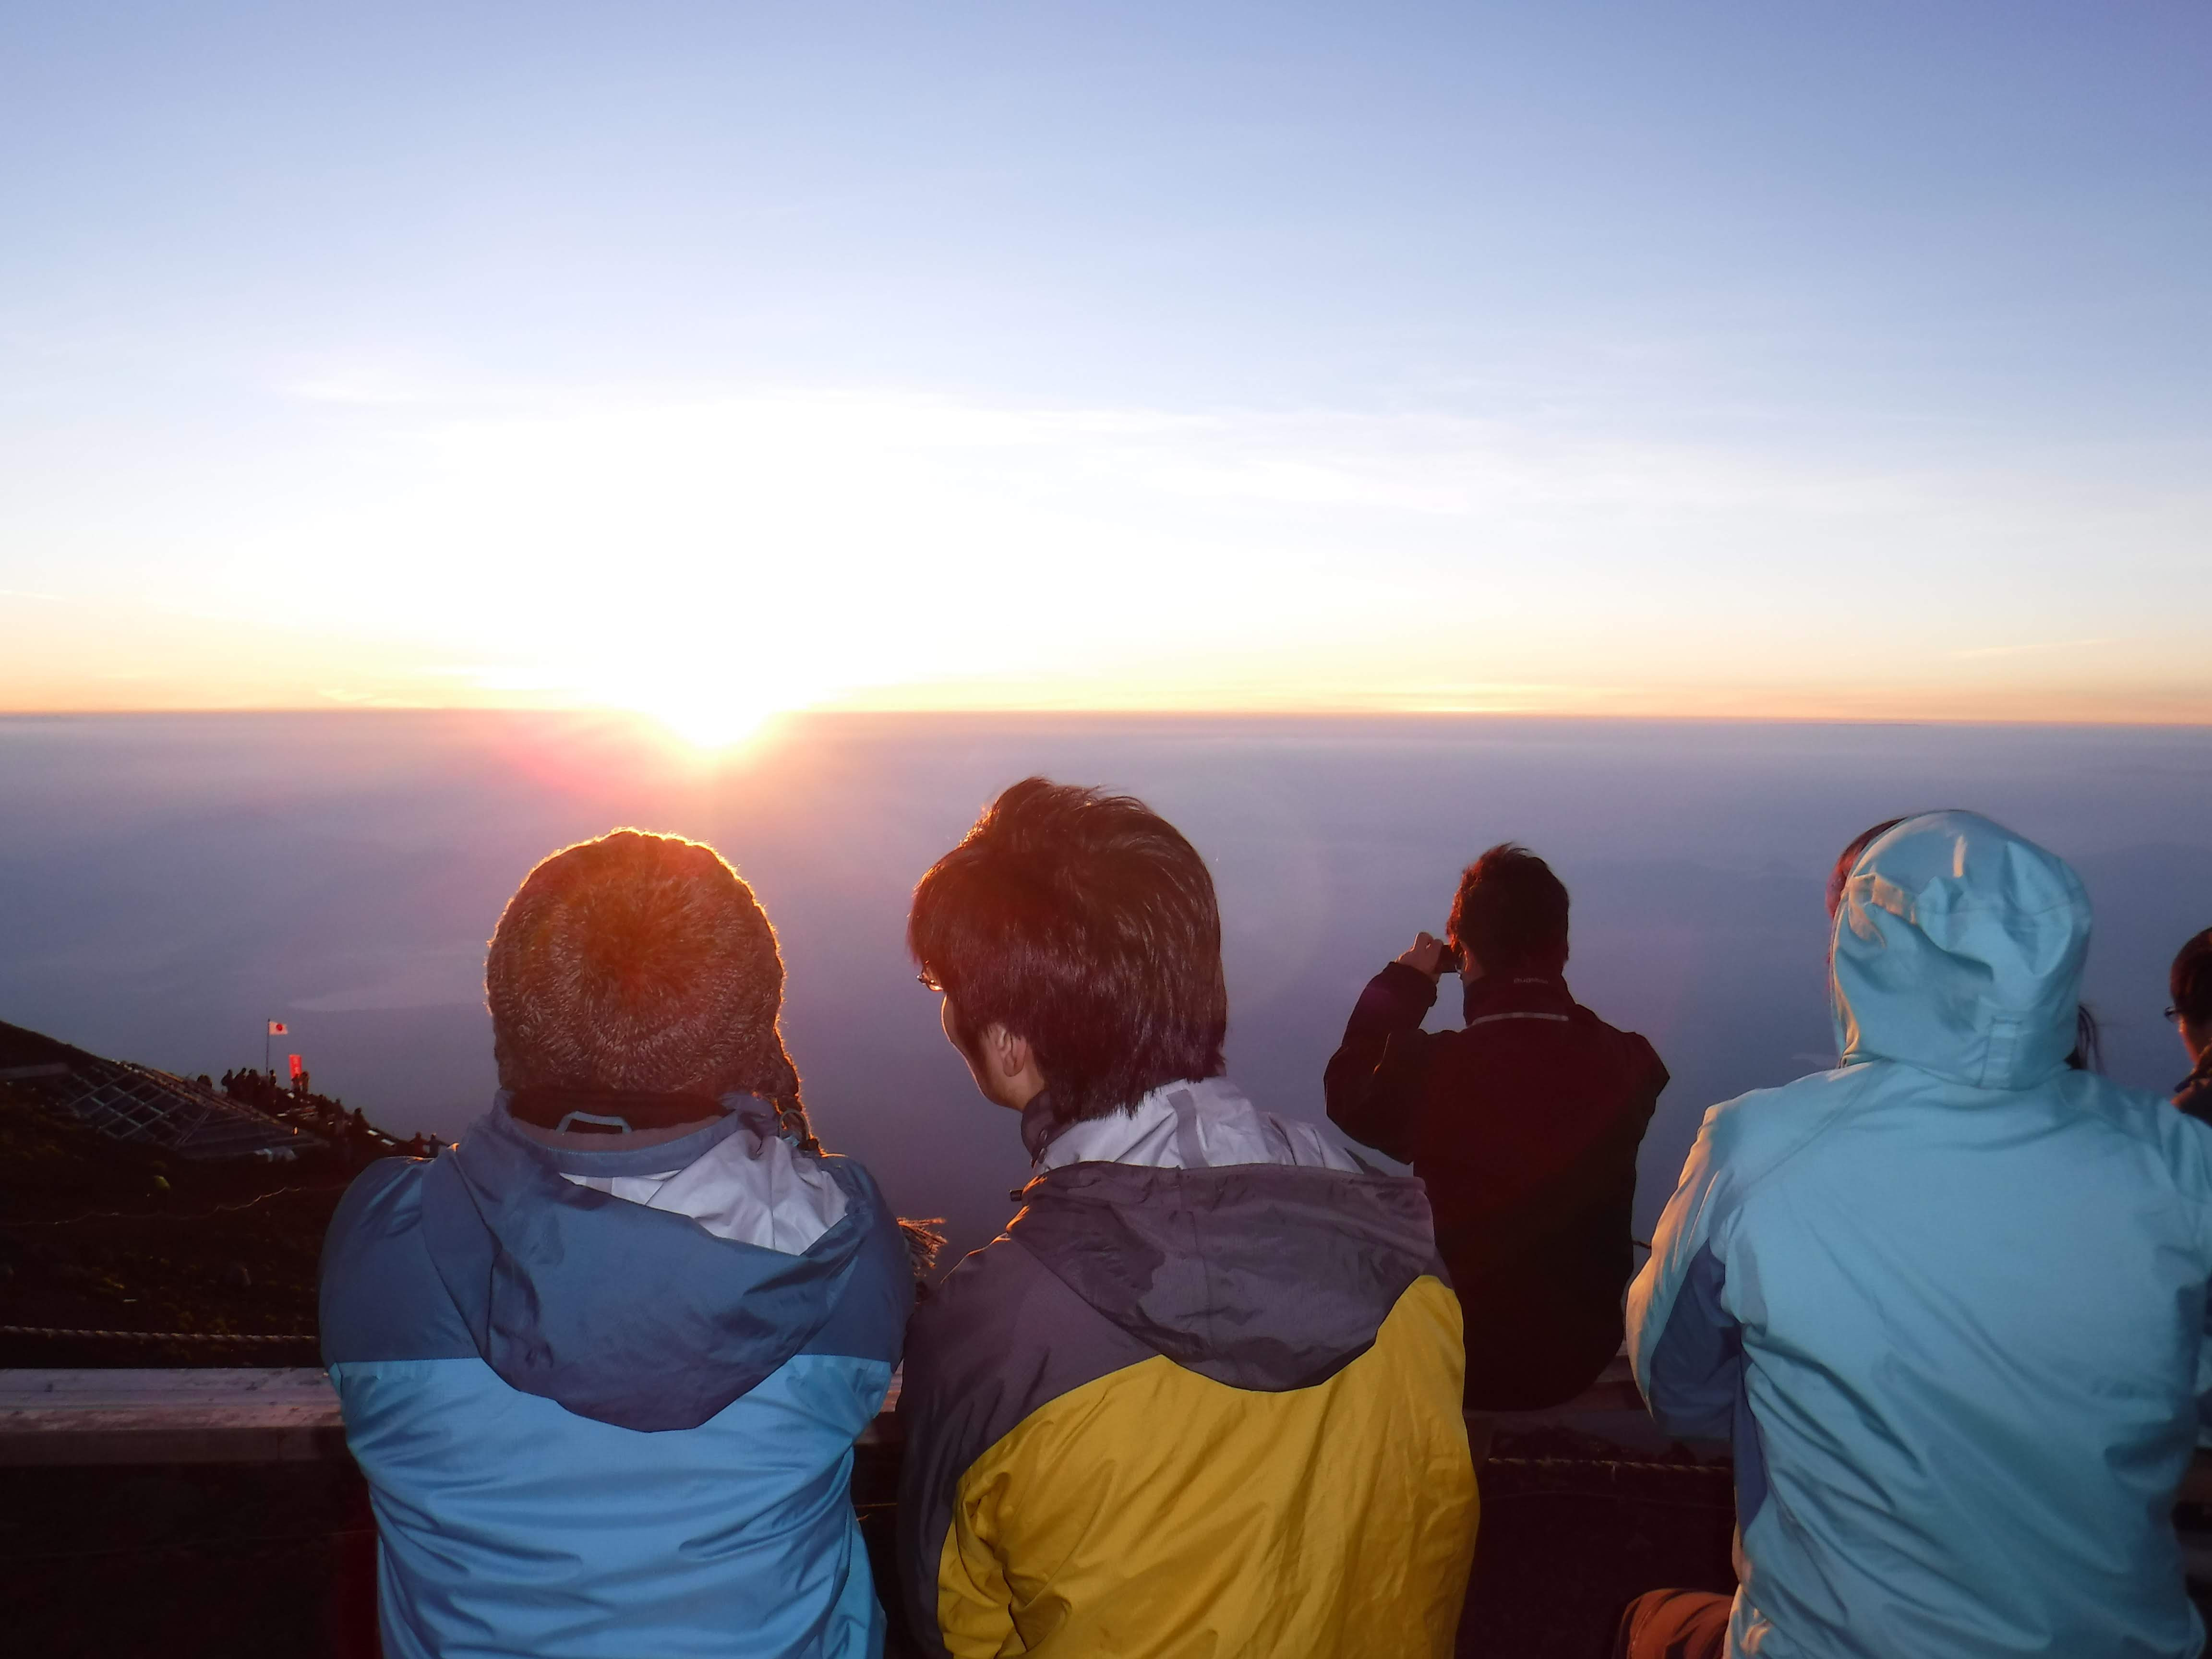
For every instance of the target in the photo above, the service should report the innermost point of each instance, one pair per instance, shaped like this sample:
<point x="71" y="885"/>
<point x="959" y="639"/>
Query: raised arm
<point x="1374" y="1080"/>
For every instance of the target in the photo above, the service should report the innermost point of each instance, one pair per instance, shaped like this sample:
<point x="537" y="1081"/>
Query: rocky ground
<point x="112" y="1236"/>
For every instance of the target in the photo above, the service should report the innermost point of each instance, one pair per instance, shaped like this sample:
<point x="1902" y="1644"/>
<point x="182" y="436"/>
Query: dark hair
<point x="2088" y="1054"/>
<point x="1511" y="913"/>
<point x="1847" y="861"/>
<point x="1086" y="924"/>
<point x="2190" y="983"/>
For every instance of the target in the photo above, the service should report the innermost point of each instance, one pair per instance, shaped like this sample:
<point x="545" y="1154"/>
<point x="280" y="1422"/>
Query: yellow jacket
<point x="1201" y="1412"/>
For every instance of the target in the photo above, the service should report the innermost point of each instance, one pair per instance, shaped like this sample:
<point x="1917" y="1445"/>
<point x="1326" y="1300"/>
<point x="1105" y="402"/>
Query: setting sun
<point x="705" y="709"/>
<point x="710" y="722"/>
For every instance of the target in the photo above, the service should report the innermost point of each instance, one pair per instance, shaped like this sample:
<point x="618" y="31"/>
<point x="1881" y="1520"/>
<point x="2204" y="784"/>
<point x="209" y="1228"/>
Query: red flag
<point x="276" y="1028"/>
<point x="295" y="1059"/>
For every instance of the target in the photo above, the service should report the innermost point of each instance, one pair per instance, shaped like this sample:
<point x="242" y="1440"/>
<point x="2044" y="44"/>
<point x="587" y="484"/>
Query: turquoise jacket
<point x="594" y="1430"/>
<point x="1949" y="1299"/>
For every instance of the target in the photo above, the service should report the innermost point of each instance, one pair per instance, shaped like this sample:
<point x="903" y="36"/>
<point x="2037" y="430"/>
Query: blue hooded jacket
<point x="594" y="1430"/>
<point x="1949" y="1299"/>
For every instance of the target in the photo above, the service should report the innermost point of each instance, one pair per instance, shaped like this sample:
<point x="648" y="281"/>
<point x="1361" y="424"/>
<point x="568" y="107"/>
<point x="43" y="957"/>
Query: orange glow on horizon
<point x="713" y="695"/>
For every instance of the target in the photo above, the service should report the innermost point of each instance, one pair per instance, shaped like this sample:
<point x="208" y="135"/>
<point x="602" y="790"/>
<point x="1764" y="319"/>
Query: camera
<point x="1447" y="958"/>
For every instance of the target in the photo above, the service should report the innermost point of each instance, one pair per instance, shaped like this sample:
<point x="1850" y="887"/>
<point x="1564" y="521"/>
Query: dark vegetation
<point x="118" y="1235"/>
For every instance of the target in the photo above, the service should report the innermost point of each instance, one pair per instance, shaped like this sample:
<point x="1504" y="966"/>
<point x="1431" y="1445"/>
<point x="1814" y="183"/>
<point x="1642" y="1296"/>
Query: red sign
<point x="295" y="1059"/>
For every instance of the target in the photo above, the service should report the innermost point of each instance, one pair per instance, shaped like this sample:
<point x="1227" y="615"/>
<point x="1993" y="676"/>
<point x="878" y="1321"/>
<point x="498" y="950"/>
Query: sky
<point x="715" y="360"/>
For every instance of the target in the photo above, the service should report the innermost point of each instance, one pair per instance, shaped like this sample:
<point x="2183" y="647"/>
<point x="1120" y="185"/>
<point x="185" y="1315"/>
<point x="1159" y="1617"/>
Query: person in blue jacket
<point x="1948" y="1300"/>
<point x="603" y="1363"/>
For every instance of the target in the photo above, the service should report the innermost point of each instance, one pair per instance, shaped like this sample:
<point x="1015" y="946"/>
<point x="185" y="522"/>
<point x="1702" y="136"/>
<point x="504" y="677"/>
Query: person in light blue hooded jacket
<point x="604" y="1362"/>
<point x="1948" y="1300"/>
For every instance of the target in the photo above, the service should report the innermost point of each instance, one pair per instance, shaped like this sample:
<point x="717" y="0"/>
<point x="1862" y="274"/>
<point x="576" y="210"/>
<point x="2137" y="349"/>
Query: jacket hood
<point x="635" y="1316"/>
<point x="1959" y="950"/>
<point x="1258" y="1275"/>
<point x="1196" y="1124"/>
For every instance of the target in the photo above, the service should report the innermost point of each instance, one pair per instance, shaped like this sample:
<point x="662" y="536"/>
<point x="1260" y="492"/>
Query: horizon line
<point x="1339" y="711"/>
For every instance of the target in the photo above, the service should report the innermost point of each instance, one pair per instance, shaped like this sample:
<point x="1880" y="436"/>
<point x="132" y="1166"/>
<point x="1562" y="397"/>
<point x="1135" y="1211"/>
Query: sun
<point x="711" y="722"/>
<point x="709" y="711"/>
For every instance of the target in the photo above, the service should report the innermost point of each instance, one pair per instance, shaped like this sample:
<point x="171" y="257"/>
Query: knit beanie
<point x="640" y="963"/>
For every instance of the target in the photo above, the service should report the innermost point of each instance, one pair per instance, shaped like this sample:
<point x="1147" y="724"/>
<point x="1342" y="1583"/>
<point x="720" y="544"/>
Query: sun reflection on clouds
<point x="714" y="560"/>
<point x="712" y="563"/>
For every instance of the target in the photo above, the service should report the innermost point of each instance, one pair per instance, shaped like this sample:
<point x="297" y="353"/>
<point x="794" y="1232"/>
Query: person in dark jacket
<point x="1524" y="1124"/>
<point x="1202" y="1395"/>
<point x="2190" y="985"/>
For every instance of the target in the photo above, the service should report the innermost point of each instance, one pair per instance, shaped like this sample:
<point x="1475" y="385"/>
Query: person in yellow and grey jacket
<point x="1202" y="1396"/>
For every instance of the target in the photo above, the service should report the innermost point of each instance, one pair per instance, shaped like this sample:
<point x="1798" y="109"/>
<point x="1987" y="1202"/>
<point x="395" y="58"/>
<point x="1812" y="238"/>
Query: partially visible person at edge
<point x="1948" y="1300"/>
<point x="1524" y="1124"/>
<point x="2190" y="985"/>
<point x="603" y="1363"/>
<point x="1203" y="1394"/>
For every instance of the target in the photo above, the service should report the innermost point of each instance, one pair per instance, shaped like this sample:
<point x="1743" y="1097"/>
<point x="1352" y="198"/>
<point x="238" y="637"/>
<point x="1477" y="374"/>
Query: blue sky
<point x="1673" y="358"/>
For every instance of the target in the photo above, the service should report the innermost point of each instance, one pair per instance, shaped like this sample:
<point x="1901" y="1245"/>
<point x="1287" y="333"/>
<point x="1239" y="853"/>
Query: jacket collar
<point x="1038" y="1124"/>
<point x="1197" y="1124"/>
<point x="1542" y="993"/>
<point x="616" y="1154"/>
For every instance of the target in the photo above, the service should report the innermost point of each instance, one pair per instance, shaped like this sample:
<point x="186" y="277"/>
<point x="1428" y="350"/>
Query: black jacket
<point x="1525" y="1126"/>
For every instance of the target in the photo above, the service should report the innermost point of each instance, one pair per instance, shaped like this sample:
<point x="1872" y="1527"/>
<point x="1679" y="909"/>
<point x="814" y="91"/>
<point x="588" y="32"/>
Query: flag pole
<point x="268" y="1063"/>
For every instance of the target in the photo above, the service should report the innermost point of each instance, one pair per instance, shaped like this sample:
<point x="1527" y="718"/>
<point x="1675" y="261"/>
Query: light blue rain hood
<point x="1948" y="1301"/>
<point x="1959" y="950"/>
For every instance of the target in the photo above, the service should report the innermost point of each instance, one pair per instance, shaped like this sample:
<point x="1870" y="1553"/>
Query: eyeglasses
<point x="2173" y="1013"/>
<point x="927" y="982"/>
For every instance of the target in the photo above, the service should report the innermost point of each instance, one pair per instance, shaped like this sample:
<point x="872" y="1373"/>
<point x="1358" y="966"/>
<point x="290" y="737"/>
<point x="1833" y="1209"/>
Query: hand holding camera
<point x="1431" y="956"/>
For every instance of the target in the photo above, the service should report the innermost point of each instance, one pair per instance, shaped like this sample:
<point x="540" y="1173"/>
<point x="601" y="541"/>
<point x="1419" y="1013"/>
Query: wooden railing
<point x="252" y="1414"/>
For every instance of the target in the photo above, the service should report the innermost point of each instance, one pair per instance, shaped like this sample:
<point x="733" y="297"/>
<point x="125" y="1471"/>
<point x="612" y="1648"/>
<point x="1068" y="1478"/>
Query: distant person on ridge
<point x="1202" y="1396"/>
<point x="1524" y="1124"/>
<point x="604" y="1362"/>
<point x="1947" y="1299"/>
<point x="2190" y="986"/>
